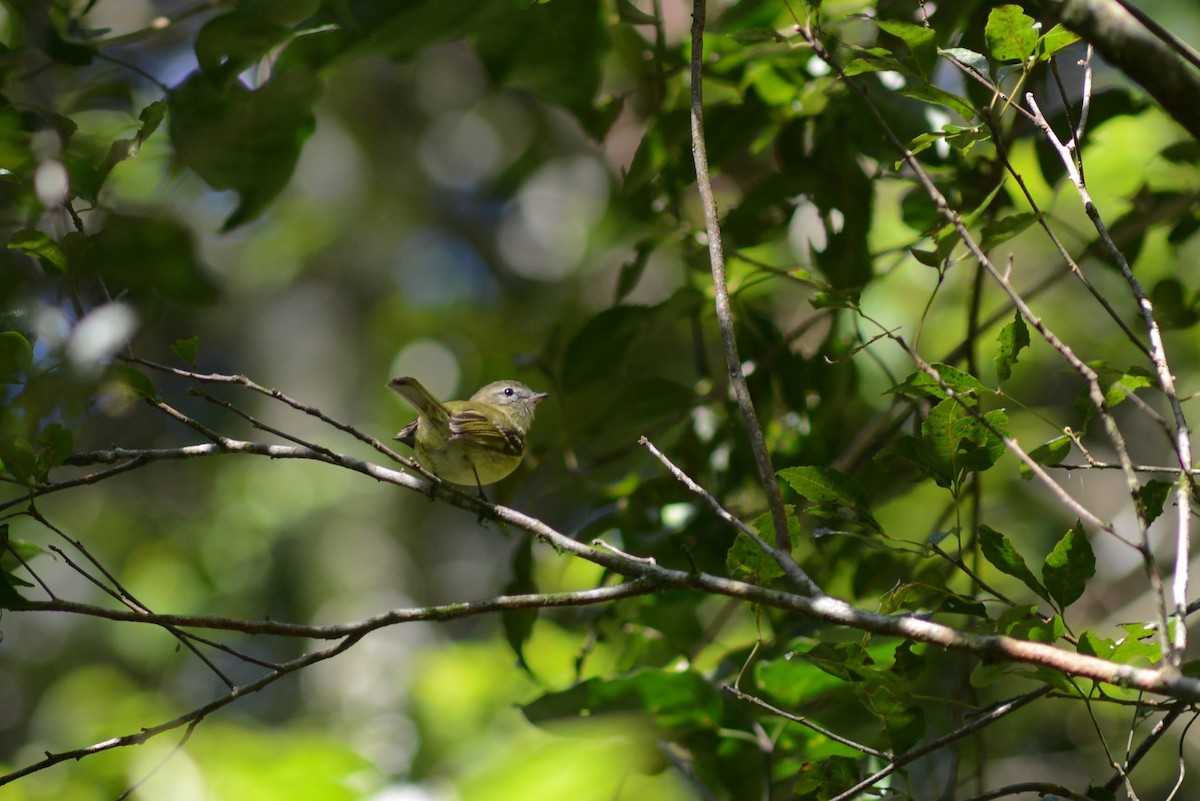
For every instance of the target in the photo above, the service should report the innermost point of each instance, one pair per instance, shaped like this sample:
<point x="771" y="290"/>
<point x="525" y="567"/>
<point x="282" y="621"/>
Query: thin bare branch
<point x="737" y="377"/>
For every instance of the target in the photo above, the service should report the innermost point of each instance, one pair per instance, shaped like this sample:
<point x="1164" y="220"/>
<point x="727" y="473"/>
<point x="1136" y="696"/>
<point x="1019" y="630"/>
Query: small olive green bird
<point x="477" y="441"/>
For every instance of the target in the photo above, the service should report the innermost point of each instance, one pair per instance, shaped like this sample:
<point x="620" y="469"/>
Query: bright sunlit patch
<point x="546" y="230"/>
<point x="435" y="365"/>
<point x="100" y="334"/>
<point x="676" y="515"/>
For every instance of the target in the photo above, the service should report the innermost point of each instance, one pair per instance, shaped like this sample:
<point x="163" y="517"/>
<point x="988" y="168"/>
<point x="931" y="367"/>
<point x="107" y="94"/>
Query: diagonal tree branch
<point x="737" y="377"/>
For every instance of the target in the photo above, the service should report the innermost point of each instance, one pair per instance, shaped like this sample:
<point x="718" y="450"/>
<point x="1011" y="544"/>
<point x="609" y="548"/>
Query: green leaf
<point x="187" y="349"/>
<point x="1010" y="34"/>
<point x="1174" y="307"/>
<point x="903" y="722"/>
<point x="1130" y="382"/>
<point x="628" y="12"/>
<point x="1001" y="554"/>
<point x="554" y="50"/>
<point x="1151" y="497"/>
<point x="10" y="598"/>
<point x="1139" y="645"/>
<point x="600" y="348"/>
<point x="920" y="41"/>
<point x="54" y="445"/>
<point x="41" y="247"/>
<point x="16" y="356"/>
<point x="976" y="62"/>
<point x="1053" y="41"/>
<point x="632" y="270"/>
<point x="244" y="140"/>
<point x="921" y="385"/>
<point x="825" y="778"/>
<point x="793" y="681"/>
<point x="955" y="440"/>
<point x="135" y="380"/>
<point x="231" y="42"/>
<point x="746" y="561"/>
<point x="518" y="623"/>
<point x="122" y="149"/>
<point x="19" y="459"/>
<point x="1092" y="645"/>
<point x="676" y="701"/>
<point x="1013" y="338"/>
<point x="832" y="491"/>
<point x="1052" y="452"/>
<point x="929" y="599"/>
<point x="998" y="231"/>
<point x="927" y="93"/>
<point x="152" y="259"/>
<point x="1069" y="566"/>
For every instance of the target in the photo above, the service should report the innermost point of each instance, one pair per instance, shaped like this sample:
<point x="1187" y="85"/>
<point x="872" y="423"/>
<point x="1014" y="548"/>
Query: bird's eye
<point x="508" y="391"/>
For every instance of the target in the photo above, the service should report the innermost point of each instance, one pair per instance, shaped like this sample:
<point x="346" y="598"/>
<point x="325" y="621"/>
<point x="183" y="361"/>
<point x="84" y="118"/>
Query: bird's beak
<point x="538" y="397"/>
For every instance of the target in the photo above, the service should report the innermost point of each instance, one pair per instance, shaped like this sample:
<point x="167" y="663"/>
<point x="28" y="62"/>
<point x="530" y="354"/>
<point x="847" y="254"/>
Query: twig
<point x="803" y="721"/>
<point x="1166" y="381"/>
<point x="986" y="719"/>
<point x="1041" y="788"/>
<point x="1095" y="392"/>
<point x="737" y="377"/>
<point x="782" y="558"/>
<point x="241" y="380"/>
<point x="188" y="718"/>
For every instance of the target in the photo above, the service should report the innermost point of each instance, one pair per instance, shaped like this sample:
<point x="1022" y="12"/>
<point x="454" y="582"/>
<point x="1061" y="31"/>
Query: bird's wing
<point x="472" y="424"/>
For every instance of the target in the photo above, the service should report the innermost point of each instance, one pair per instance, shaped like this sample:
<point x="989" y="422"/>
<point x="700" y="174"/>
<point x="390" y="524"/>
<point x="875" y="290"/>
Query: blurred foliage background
<point x="329" y="193"/>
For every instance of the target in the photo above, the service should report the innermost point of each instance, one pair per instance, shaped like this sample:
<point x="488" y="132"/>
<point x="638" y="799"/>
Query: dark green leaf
<point x="628" y="12"/>
<point x="1069" y="566"/>
<point x="247" y="141"/>
<point x="999" y="551"/>
<point x="831" y="491"/>
<point x="922" y="385"/>
<point x="676" y="701"/>
<point x="54" y="445"/>
<point x="1011" y="35"/>
<point x="1052" y="452"/>
<point x="19" y="459"/>
<point x="1013" y="338"/>
<point x="928" y="93"/>
<point x="1174" y="308"/>
<point x="631" y="271"/>
<point x="954" y="439"/>
<point x="518" y="623"/>
<point x="998" y="231"/>
<point x="136" y="380"/>
<point x="748" y="562"/>
<point x="920" y="41"/>
<point x="825" y="778"/>
<point x="41" y="247"/>
<point x="151" y="259"/>
<point x="926" y="598"/>
<point x="10" y="598"/>
<point x="1150" y="498"/>
<point x="903" y="722"/>
<point x="16" y="355"/>
<point x="235" y="40"/>
<point x="599" y="350"/>
<point x="187" y="349"/>
<point x="536" y="48"/>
